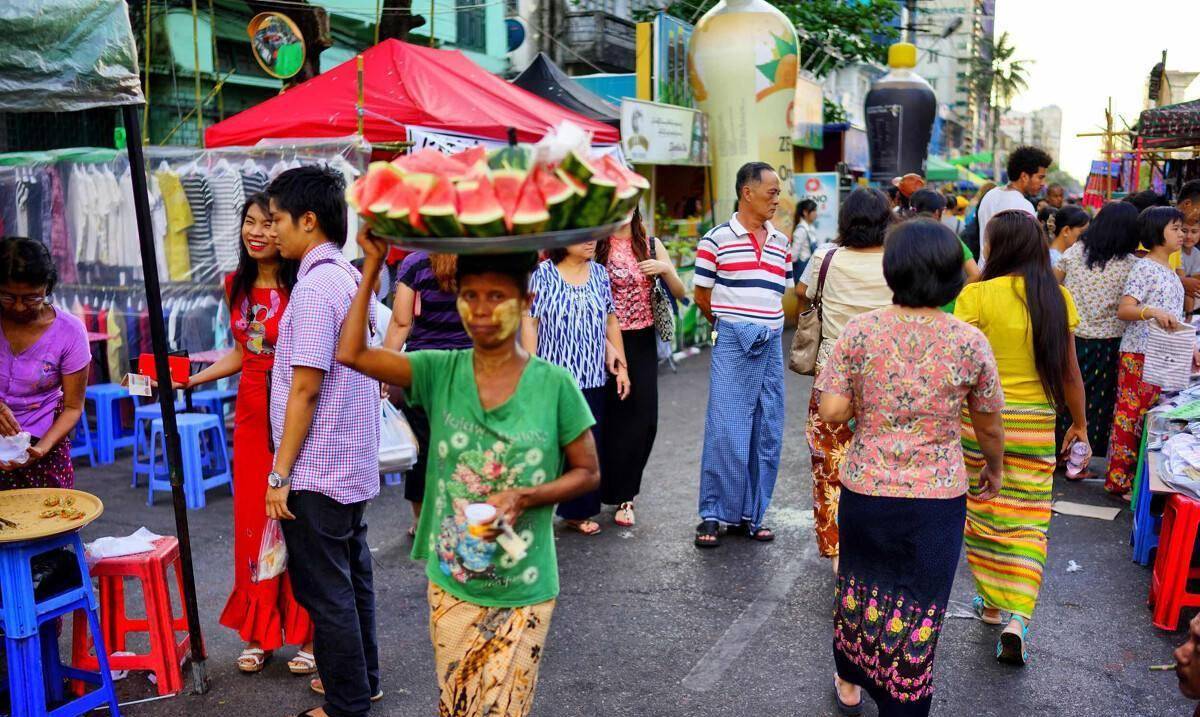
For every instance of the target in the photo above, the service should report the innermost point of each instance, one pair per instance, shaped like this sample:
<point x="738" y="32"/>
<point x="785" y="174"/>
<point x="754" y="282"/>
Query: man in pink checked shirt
<point x="325" y="424"/>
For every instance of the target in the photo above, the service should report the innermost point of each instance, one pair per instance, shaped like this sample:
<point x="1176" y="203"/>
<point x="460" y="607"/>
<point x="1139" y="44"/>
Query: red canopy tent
<point x="403" y="85"/>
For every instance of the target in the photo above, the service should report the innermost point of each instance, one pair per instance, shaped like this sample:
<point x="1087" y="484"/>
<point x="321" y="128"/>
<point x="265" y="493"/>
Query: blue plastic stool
<point x="143" y="448"/>
<point x="214" y="401"/>
<point x="393" y="479"/>
<point x="35" y="670"/>
<point x="81" y="439"/>
<point x="110" y="434"/>
<point x="1146" y="525"/>
<point x="205" y="458"/>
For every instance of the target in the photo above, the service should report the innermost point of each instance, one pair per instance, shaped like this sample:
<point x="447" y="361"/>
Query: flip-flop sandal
<point x="760" y="534"/>
<point x="624" y="515"/>
<point x="577" y="526"/>
<point x="979" y="606"/>
<point x="304" y="663"/>
<point x="1011" y="647"/>
<point x="707" y="529"/>
<point x="844" y="709"/>
<point x="252" y="660"/>
<point x="316" y="686"/>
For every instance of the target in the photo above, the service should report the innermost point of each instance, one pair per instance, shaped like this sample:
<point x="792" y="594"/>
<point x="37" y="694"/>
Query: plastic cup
<point x="479" y="518"/>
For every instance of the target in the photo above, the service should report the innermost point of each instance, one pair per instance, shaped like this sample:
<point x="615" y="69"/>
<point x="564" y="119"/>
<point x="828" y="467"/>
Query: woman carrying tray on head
<point x="44" y="362"/>
<point x="264" y="613"/>
<point x="508" y="429"/>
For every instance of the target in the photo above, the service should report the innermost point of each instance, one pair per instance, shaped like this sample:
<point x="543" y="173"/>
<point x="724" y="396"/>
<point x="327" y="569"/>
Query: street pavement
<point x="648" y="625"/>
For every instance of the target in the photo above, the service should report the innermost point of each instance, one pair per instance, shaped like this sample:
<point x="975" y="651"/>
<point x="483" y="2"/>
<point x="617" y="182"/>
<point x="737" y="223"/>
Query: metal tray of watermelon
<point x="506" y="244"/>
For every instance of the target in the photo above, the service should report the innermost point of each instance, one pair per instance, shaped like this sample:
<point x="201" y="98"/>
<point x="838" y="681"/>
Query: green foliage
<point x="833" y="111"/>
<point x="855" y="32"/>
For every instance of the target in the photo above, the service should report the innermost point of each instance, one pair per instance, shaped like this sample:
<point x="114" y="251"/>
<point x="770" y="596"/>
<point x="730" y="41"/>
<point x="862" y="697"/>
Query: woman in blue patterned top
<point x="572" y="323"/>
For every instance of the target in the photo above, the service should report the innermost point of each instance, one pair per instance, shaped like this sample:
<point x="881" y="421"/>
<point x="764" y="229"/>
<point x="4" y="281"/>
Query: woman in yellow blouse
<point x="1028" y="319"/>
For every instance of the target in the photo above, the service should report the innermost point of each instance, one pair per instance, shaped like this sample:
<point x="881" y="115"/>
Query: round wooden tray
<point x="25" y="507"/>
<point x="505" y="244"/>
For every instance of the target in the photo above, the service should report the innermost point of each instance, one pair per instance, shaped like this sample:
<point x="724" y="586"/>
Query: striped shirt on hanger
<point x="747" y="284"/>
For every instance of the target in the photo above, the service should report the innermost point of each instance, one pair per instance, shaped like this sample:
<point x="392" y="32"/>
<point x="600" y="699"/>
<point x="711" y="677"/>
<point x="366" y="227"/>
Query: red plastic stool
<point x="167" y="652"/>
<point x="1173" y="562"/>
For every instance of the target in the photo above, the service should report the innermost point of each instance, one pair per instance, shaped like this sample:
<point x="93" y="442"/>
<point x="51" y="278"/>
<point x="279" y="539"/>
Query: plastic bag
<point x="397" y="444"/>
<point x="272" y="554"/>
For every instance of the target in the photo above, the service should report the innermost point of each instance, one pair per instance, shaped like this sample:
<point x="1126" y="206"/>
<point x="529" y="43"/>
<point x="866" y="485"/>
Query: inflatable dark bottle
<point x="900" y="110"/>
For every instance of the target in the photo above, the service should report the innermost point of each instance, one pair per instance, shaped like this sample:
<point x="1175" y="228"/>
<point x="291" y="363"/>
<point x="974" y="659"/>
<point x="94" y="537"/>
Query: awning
<point x="1171" y="126"/>
<point x="939" y="170"/>
<point x="969" y="159"/>
<point x="544" y="79"/>
<point x="67" y="55"/>
<point x="403" y="85"/>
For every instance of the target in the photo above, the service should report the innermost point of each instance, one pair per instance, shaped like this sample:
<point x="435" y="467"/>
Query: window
<point x="472" y="24"/>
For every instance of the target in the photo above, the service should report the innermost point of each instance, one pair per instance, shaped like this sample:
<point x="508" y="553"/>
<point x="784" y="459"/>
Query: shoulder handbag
<point x="664" y="314"/>
<point x="803" y="355"/>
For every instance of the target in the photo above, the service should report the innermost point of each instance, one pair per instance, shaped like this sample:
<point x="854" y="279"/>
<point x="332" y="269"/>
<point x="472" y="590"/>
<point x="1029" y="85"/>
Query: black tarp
<point x="544" y="79"/>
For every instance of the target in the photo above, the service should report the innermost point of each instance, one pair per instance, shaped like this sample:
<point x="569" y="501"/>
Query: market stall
<point x="545" y="79"/>
<point x="398" y="92"/>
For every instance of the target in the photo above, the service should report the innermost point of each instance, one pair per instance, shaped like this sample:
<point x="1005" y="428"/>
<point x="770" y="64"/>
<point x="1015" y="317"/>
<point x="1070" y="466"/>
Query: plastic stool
<point x="167" y="651"/>
<point x="110" y="434"/>
<point x="35" y="672"/>
<point x="393" y="478"/>
<point x="143" y="417"/>
<point x="1146" y="526"/>
<point x="214" y="401"/>
<point x="1173" y="564"/>
<point x="205" y="458"/>
<point x="81" y="439"/>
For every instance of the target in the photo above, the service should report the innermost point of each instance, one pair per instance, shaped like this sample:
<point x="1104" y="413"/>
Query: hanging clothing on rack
<point x="229" y="198"/>
<point x="200" y="246"/>
<point x="62" y="248"/>
<point x="178" y="221"/>
<point x="254" y="178"/>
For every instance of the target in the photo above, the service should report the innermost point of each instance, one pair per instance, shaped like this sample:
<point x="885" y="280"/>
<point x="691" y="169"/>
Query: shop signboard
<point x="822" y="188"/>
<point x="654" y="133"/>
<point x="671" y="37"/>
<point x="808" y="114"/>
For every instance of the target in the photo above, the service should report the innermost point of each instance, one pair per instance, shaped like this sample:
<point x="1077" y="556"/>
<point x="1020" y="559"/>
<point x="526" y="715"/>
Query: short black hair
<point x="926" y="201"/>
<point x="806" y="205"/>
<point x="517" y="267"/>
<point x="923" y="263"/>
<point x="951" y="201"/>
<point x="748" y="173"/>
<point x="319" y="190"/>
<point x="864" y="218"/>
<point x="1027" y="160"/>
<point x="1153" y="222"/>
<point x="1145" y="199"/>
<point x="1057" y="186"/>
<point x="27" y="261"/>
<point x="1189" y="190"/>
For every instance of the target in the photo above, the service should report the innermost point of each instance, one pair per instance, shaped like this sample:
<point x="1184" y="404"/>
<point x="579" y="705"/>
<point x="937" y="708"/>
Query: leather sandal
<point x="709" y="529"/>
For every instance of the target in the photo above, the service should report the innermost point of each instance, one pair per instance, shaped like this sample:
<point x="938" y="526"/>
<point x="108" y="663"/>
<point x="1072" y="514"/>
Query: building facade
<point x="1040" y="128"/>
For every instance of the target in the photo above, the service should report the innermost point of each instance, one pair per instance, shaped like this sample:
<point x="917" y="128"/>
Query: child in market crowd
<point x="1065" y="226"/>
<point x="1190" y="261"/>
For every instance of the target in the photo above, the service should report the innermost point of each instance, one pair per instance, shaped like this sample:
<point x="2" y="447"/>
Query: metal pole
<point x="166" y="397"/>
<point x="360" y="102"/>
<point x="196" y="72"/>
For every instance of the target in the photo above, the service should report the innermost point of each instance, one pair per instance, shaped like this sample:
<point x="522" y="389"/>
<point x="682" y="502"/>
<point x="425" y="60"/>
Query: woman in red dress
<point x="265" y="613"/>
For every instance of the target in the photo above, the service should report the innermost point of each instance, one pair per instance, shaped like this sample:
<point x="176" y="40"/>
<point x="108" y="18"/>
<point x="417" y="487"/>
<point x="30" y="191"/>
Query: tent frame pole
<point x="166" y="397"/>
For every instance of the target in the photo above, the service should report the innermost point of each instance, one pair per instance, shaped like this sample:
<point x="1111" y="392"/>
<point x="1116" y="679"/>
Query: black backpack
<point x="970" y="236"/>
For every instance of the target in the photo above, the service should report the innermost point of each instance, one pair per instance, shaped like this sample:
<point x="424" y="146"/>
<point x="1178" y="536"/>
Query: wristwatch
<point x="276" y="480"/>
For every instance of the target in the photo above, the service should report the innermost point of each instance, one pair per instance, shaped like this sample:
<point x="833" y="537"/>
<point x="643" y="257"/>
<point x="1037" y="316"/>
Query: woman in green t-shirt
<point x="509" y="438"/>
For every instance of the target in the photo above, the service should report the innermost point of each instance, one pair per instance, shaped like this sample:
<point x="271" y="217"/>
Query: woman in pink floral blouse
<point x="634" y="264"/>
<point x="902" y="374"/>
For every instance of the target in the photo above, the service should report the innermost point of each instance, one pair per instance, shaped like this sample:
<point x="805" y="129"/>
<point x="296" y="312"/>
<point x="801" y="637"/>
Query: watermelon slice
<point x="369" y="189"/>
<point x="531" y="215"/>
<point x="514" y="156"/>
<point x="615" y="166"/>
<point x="403" y="204"/>
<point x="428" y="161"/>
<point x="471" y="156"/>
<point x="580" y="166"/>
<point x="479" y="211"/>
<point x="439" y="209"/>
<point x="560" y="197"/>
<point x="595" y="208"/>
<point x="508" y="183"/>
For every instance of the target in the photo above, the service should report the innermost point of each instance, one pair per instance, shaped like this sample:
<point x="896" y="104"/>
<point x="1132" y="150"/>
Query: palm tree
<point x="998" y="77"/>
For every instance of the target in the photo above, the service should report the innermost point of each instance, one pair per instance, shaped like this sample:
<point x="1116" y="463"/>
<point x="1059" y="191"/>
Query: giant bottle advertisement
<point x="743" y="58"/>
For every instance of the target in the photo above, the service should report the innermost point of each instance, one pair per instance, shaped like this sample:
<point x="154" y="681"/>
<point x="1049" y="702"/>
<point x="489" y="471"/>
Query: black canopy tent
<point x="74" y="55"/>
<point x="544" y="79"/>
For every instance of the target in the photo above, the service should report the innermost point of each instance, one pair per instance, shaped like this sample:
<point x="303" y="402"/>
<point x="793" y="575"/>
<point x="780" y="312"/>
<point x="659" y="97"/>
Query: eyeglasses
<point x="28" y="300"/>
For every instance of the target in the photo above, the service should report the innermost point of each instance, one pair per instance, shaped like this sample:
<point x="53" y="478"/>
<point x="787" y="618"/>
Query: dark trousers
<point x="330" y="569"/>
<point x="588" y="504"/>
<point x="631" y="424"/>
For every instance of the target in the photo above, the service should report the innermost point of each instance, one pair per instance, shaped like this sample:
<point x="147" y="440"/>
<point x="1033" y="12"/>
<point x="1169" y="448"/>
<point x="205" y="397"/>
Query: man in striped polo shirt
<point x="743" y="268"/>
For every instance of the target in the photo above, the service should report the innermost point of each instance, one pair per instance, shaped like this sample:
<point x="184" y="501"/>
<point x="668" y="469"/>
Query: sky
<point x="1084" y="51"/>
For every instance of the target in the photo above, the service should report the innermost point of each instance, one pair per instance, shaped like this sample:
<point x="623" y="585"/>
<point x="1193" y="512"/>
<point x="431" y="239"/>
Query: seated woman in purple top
<point x="44" y="361"/>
